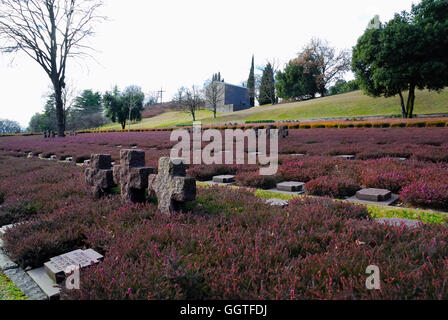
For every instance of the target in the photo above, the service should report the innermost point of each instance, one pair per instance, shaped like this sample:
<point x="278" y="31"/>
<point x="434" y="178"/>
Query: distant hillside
<point x="353" y="104"/>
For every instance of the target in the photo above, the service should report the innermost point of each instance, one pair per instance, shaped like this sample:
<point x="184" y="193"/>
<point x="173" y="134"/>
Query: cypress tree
<point x="251" y="84"/>
<point x="267" y="86"/>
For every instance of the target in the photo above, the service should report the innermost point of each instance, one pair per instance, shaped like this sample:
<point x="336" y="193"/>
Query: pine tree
<point x="251" y="84"/>
<point x="267" y="86"/>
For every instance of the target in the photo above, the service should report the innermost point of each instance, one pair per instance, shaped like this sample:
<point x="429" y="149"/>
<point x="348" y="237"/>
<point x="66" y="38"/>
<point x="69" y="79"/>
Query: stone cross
<point x="99" y="175"/>
<point x="283" y="132"/>
<point x="132" y="175"/>
<point x="171" y="186"/>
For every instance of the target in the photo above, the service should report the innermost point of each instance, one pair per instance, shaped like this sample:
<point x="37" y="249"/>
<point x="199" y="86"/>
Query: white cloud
<point x="171" y="43"/>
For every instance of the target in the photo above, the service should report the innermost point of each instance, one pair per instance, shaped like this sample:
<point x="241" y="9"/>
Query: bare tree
<point x="330" y="64"/>
<point x="189" y="100"/>
<point x="9" y="126"/>
<point x="214" y="95"/>
<point x="49" y="32"/>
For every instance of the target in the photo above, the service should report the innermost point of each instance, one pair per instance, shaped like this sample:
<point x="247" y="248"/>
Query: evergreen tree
<point x="88" y="102"/>
<point x="123" y="106"/>
<point x="251" y="83"/>
<point x="267" y="86"/>
<point x="405" y="54"/>
<point x="296" y="83"/>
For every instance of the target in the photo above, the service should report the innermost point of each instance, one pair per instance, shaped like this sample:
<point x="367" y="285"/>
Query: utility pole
<point x="161" y="95"/>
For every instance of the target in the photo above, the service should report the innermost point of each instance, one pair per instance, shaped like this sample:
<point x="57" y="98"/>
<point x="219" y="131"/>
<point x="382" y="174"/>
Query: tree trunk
<point x="59" y="108"/>
<point x="411" y="100"/>
<point x="403" y="107"/>
<point x="123" y="125"/>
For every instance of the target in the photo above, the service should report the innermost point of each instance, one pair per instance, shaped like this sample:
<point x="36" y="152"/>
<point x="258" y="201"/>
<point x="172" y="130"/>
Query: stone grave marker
<point x="56" y="268"/>
<point x="396" y="222"/>
<point x="171" y="186"/>
<point x="224" y="179"/>
<point x="283" y="132"/>
<point x="290" y="186"/>
<point x="277" y="202"/>
<point x="347" y="157"/>
<point x="132" y="175"/>
<point x="376" y="195"/>
<point x="99" y="174"/>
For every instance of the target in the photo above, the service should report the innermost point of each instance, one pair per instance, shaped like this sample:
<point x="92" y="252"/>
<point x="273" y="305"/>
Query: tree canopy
<point x="327" y="63"/>
<point x="49" y="32"/>
<point x="9" y="126"/>
<point x="404" y="54"/>
<point x="295" y="83"/>
<point x="123" y="106"/>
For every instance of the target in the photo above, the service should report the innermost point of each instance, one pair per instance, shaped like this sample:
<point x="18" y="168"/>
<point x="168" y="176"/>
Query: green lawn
<point x="353" y="104"/>
<point x="8" y="291"/>
<point x="166" y="119"/>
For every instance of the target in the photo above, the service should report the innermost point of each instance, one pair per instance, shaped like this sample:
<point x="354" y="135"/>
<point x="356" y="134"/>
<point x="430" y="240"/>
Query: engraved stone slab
<point x="57" y="266"/>
<point x="374" y="195"/>
<point x="346" y="157"/>
<point x="396" y="222"/>
<point x="224" y="179"/>
<point x="297" y="155"/>
<point x="277" y="202"/>
<point x="291" y="186"/>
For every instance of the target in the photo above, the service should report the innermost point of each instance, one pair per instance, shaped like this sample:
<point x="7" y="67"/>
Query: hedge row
<point x="392" y="123"/>
<point x="307" y="125"/>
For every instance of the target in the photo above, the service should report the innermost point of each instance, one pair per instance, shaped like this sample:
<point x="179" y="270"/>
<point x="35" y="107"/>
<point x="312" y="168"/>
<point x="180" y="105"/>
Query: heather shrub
<point x="393" y="181"/>
<point x="207" y="172"/>
<point x="433" y="155"/>
<point x="255" y="180"/>
<point x="18" y="211"/>
<point x="33" y="243"/>
<point x="304" y="171"/>
<point x="433" y="194"/>
<point x="332" y="186"/>
<point x="314" y="249"/>
<point x="2" y="197"/>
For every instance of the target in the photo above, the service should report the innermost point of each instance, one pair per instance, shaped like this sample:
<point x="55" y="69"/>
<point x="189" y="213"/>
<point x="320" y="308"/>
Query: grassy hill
<point x="167" y="119"/>
<point x="353" y="104"/>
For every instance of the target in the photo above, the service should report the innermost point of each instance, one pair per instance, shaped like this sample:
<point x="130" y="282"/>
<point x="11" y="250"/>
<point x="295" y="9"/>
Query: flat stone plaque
<point x="374" y="195"/>
<point x="277" y="202"/>
<point x="291" y="186"/>
<point x="396" y="222"/>
<point x="297" y="155"/>
<point x="57" y="266"/>
<point x="346" y="157"/>
<point x="224" y="179"/>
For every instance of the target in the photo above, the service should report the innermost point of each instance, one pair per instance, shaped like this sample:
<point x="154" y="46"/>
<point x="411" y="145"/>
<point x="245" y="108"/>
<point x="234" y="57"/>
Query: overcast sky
<point x="172" y="43"/>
